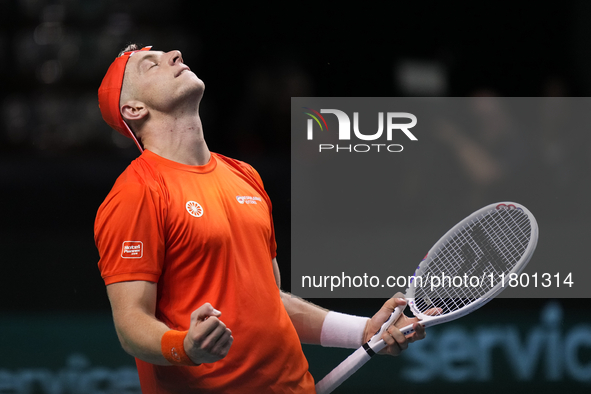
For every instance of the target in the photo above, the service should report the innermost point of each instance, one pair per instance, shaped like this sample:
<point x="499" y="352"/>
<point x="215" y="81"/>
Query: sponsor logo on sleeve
<point x="132" y="250"/>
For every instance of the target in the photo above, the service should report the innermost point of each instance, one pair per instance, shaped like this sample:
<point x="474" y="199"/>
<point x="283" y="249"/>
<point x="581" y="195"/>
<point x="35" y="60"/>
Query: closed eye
<point x="148" y="61"/>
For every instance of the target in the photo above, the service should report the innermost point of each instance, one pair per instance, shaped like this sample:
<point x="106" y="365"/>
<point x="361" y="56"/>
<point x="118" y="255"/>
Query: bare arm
<point x="306" y="317"/>
<point x="134" y="306"/>
<point x="140" y="333"/>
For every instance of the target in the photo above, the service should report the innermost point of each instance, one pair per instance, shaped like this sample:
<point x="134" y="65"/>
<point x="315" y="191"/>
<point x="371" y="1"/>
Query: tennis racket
<point x="478" y="255"/>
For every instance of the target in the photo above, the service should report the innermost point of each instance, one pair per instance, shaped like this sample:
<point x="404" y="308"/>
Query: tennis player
<point x="187" y="251"/>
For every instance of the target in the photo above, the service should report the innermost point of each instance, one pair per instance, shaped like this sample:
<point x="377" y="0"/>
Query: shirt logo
<point x="247" y="199"/>
<point x="132" y="250"/>
<point x="194" y="209"/>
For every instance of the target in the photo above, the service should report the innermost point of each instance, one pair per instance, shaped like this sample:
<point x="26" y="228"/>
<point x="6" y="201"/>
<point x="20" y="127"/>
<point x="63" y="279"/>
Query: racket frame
<point x="428" y="321"/>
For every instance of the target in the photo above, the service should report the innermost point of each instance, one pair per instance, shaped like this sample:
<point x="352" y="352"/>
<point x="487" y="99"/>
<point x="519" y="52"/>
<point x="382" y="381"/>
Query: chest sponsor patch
<point x="132" y="249"/>
<point x="194" y="208"/>
<point x="247" y="199"/>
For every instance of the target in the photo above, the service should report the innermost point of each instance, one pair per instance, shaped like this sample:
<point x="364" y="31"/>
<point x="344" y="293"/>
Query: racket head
<point x="497" y="239"/>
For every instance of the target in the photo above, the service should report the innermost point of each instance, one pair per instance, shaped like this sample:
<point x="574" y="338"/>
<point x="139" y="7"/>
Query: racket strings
<point x="486" y="248"/>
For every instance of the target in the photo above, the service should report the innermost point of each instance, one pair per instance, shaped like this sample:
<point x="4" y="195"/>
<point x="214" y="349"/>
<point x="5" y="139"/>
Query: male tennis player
<point x="187" y="251"/>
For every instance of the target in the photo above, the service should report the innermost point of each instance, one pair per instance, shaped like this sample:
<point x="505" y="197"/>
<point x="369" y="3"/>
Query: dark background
<point x="58" y="160"/>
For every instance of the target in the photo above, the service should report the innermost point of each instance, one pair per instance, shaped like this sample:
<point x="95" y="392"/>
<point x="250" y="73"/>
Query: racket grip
<point x="356" y="360"/>
<point x="342" y="371"/>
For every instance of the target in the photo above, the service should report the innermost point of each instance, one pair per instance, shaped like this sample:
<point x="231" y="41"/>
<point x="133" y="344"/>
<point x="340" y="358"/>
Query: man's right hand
<point x="208" y="339"/>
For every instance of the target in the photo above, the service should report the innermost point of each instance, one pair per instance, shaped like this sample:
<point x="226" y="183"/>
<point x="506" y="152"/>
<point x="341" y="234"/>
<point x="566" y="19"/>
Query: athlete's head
<point x="144" y="82"/>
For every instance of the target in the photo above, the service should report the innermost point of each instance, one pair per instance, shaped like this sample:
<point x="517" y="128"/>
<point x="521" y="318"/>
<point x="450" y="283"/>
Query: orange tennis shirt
<point x="204" y="234"/>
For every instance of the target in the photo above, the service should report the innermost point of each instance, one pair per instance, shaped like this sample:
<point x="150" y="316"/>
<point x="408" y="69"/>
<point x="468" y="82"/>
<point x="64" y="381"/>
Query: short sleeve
<point x="129" y="234"/>
<point x="259" y="182"/>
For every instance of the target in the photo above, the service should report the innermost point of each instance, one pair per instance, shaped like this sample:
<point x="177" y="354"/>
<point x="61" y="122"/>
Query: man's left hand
<point x="396" y="341"/>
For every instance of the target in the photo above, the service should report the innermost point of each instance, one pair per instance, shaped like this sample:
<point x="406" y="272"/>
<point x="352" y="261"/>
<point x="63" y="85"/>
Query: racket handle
<point x="356" y="360"/>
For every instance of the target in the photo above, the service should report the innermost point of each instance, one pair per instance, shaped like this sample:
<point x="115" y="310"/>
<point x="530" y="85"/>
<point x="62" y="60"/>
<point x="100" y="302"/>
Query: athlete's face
<point x="161" y="80"/>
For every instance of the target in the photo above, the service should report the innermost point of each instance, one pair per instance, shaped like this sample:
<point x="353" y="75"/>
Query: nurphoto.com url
<point x="441" y="280"/>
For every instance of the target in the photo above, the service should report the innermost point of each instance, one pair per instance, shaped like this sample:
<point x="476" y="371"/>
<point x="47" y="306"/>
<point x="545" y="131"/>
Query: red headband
<point x="109" y="95"/>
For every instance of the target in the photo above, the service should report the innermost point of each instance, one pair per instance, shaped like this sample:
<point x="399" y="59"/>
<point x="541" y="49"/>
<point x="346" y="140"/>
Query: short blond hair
<point x="130" y="47"/>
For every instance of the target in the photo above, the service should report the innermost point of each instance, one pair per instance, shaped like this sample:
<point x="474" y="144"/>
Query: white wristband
<point x="340" y="330"/>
